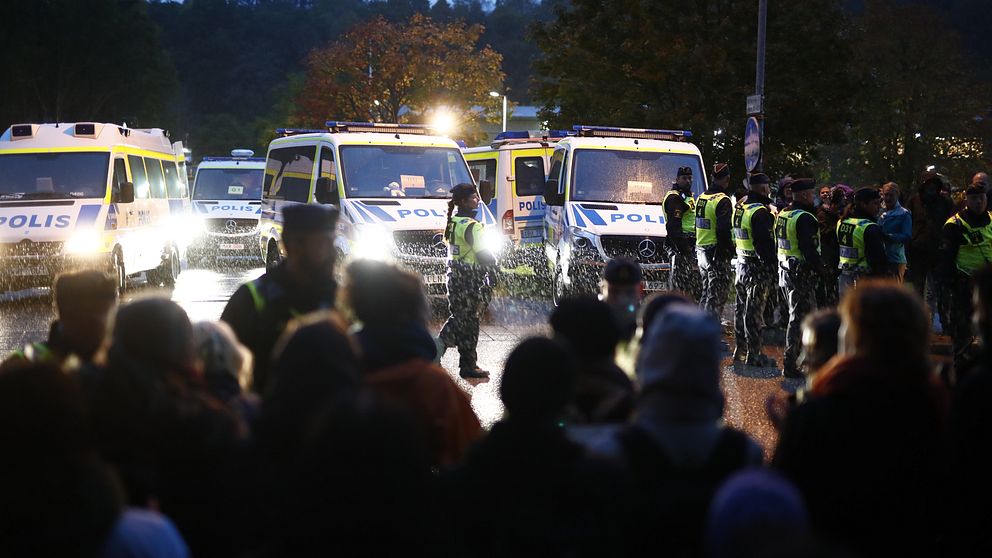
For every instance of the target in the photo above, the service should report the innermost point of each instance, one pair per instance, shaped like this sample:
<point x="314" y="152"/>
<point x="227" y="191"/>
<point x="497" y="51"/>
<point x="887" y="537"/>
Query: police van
<point x="227" y="200"/>
<point x="391" y="181"/>
<point x="90" y="194"/>
<point x="604" y="200"/>
<point x="516" y="164"/>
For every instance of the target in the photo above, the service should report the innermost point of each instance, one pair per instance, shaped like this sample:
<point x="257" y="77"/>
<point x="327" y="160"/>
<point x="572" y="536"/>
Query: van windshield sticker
<point x="411" y="181"/>
<point x="235" y="190"/>
<point x="639" y="187"/>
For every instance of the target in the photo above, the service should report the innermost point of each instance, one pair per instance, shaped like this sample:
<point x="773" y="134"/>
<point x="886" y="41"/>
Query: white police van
<point x="604" y="195"/>
<point x="391" y="181"/>
<point x="227" y="199"/>
<point x="516" y="164"/>
<point x="90" y="194"/>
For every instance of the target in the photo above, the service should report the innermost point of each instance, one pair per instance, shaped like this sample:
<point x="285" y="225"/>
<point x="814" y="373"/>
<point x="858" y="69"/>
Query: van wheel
<point x="120" y="274"/>
<point x="169" y="272"/>
<point x="272" y="257"/>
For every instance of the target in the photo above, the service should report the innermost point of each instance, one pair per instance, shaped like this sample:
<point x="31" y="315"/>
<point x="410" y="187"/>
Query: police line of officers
<point x="705" y="234"/>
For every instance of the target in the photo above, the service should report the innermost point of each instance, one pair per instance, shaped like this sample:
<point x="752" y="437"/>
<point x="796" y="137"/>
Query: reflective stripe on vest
<point x="851" y="240"/>
<point x="689" y="216"/>
<point x="706" y="218"/>
<point x="459" y="249"/>
<point x="33" y="352"/>
<point x="258" y="299"/>
<point x="785" y="234"/>
<point x="976" y="250"/>
<point x="743" y="234"/>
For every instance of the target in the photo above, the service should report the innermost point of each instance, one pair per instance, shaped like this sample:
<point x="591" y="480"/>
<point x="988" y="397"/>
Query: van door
<point x="554" y="216"/>
<point x="527" y="200"/>
<point x="289" y="179"/>
<point x="484" y="168"/>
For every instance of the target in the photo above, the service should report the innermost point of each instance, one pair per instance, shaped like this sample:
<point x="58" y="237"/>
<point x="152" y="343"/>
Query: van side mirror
<point x="126" y="193"/>
<point x="487" y="191"/>
<point x="551" y="195"/>
<point x="326" y="191"/>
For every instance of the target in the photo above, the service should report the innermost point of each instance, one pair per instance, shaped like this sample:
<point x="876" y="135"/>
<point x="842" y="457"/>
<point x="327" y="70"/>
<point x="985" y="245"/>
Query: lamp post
<point x="498" y="94"/>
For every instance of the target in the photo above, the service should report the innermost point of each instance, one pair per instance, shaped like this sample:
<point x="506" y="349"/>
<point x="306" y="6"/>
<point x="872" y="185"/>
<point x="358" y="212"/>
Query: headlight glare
<point x="372" y="242"/>
<point x="87" y="241"/>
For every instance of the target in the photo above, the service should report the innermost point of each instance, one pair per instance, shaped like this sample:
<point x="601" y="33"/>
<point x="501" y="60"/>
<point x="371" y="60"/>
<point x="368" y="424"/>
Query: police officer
<point x="797" y="234"/>
<point x="469" y="267"/>
<point x="680" y="225"/>
<point x="860" y="241"/>
<point x="84" y="301"/>
<point x="714" y="241"/>
<point x="968" y="246"/>
<point x="304" y="282"/>
<point x="754" y="238"/>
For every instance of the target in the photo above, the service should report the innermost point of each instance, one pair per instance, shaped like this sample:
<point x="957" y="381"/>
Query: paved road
<point x="25" y="315"/>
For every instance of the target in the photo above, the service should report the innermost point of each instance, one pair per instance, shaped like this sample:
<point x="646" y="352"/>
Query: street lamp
<point x="498" y="94"/>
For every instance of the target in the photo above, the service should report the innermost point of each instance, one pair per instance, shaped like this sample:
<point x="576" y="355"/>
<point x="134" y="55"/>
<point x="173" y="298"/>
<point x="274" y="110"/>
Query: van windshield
<point x="53" y="176"/>
<point x="391" y="171"/>
<point x="228" y="184"/>
<point x="620" y="176"/>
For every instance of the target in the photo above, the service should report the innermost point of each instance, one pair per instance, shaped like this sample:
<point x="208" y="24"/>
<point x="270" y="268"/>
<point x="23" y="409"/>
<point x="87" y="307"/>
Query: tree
<point x="674" y="64"/>
<point x="100" y="60"/>
<point x="384" y="71"/>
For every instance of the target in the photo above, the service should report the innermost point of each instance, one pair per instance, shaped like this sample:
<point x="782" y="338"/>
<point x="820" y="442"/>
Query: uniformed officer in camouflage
<point x="797" y="234"/>
<point x="754" y="238"/>
<point x="714" y="241"/>
<point x="861" y="242"/>
<point x="967" y="247"/>
<point x="680" y="225"/>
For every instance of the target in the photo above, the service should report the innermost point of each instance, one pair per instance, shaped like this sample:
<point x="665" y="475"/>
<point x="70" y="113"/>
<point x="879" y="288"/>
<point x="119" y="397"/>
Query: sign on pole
<point x="752" y="144"/>
<point x="754" y="105"/>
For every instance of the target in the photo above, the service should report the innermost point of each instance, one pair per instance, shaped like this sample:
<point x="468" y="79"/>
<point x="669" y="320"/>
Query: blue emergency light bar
<point x="250" y="159"/>
<point x="532" y="135"/>
<point x="294" y="131"/>
<point x="636" y="133"/>
<point x="334" y="127"/>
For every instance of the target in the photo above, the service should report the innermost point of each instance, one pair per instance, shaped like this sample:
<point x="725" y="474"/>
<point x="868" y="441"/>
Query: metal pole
<point x="759" y="73"/>
<point x="504" y="113"/>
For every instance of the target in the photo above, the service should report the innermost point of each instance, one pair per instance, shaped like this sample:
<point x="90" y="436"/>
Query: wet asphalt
<point x="25" y="317"/>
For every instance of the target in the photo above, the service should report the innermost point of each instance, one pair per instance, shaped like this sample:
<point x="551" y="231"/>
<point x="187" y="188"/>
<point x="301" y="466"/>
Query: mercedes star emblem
<point x="646" y="248"/>
<point x="231" y="225"/>
<point x="438" y="240"/>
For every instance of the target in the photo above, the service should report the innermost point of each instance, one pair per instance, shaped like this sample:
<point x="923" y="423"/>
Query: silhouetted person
<point x="304" y="282"/>
<point x="603" y="392"/>
<point x="866" y="445"/>
<point x="399" y="352"/>
<point x="623" y="291"/>
<point x="930" y="211"/>
<point x="227" y="368"/>
<point x="541" y="494"/>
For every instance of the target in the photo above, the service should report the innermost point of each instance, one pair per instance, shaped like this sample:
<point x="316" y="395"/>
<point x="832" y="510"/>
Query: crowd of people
<point x="315" y="420"/>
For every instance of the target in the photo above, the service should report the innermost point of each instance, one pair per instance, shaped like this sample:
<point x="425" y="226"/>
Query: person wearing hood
<point x="399" y="353"/>
<point x="800" y="266"/>
<point x="680" y="240"/>
<point x="677" y="449"/>
<point x="755" y="242"/>
<point x="930" y="211"/>
<point x="861" y="242"/>
<point x="828" y="215"/>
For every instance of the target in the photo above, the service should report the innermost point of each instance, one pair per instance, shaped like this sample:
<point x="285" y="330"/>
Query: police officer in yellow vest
<point x="967" y="247"/>
<point x="469" y="265"/>
<point x="754" y="238"/>
<point x="302" y="283"/>
<point x="680" y="226"/>
<point x="861" y="242"/>
<point x="714" y="241"/>
<point x="797" y="234"/>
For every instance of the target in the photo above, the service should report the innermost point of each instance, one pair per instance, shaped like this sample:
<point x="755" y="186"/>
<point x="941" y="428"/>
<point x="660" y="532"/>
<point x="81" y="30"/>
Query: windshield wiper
<point x="35" y="196"/>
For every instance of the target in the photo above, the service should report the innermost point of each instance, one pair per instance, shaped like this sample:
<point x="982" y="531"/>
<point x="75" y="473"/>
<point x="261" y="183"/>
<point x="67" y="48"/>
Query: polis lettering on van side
<point x="242" y="208"/>
<point x="637" y="218"/>
<point x="536" y="205"/>
<point x="403" y="213"/>
<point x="36" y="221"/>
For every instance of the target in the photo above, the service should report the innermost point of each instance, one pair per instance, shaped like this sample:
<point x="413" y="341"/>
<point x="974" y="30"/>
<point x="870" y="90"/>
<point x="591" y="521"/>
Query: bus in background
<point x="92" y="195"/>
<point x="227" y="201"/>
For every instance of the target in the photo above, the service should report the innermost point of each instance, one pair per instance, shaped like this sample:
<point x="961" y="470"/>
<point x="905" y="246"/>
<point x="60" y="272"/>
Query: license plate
<point x="532" y="232"/>
<point x="435" y="278"/>
<point x="655" y="285"/>
<point x="232" y="246"/>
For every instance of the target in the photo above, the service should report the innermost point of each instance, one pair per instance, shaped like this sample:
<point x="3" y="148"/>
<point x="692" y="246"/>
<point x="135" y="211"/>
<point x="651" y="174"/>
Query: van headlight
<point x="82" y="242"/>
<point x="372" y="242"/>
<point x="493" y="241"/>
<point x="581" y="240"/>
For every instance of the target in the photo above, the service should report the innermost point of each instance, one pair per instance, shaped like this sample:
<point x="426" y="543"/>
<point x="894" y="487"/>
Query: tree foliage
<point x="379" y="69"/>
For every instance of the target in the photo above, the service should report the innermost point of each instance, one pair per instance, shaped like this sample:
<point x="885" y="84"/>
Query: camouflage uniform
<point x="753" y="236"/>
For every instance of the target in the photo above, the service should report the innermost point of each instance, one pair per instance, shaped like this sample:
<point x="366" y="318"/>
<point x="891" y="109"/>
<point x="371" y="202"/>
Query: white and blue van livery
<point x="227" y="201"/>
<point x="90" y="194"/>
